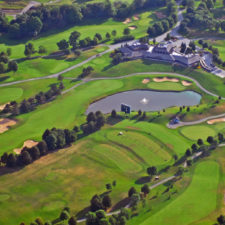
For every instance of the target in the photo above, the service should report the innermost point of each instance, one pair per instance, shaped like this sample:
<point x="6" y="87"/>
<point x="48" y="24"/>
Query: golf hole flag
<point x="125" y="108"/>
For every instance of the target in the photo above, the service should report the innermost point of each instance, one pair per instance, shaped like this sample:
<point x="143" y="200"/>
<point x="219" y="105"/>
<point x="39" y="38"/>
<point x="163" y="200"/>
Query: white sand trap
<point x="219" y="120"/>
<point x="128" y="20"/>
<point x="2" y="106"/>
<point x="164" y="79"/>
<point x="5" y="124"/>
<point x="132" y="27"/>
<point x="136" y="17"/>
<point x="28" y="144"/>
<point x="186" y="83"/>
<point x="145" y="81"/>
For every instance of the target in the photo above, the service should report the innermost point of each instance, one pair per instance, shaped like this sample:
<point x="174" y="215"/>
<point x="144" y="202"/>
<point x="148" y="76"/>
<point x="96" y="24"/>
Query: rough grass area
<point x="191" y="205"/>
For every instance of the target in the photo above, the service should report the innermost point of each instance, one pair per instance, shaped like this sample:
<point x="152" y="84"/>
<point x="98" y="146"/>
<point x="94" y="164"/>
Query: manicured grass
<point x="198" y="131"/>
<point x="39" y="67"/>
<point x="89" y="28"/>
<point x="63" y="178"/>
<point x="166" y="86"/>
<point x="191" y="205"/>
<point x="8" y="94"/>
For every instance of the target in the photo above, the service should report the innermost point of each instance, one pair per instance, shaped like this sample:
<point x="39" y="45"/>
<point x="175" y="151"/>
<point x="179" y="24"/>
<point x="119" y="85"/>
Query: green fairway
<point x="191" y="205"/>
<point x="198" y="131"/>
<point x="8" y="94"/>
<point x="166" y="86"/>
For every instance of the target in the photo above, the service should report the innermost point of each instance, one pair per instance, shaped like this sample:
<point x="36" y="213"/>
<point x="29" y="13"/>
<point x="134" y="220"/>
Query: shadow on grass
<point x="121" y="204"/>
<point x="143" y="180"/>
<point x="4" y="78"/>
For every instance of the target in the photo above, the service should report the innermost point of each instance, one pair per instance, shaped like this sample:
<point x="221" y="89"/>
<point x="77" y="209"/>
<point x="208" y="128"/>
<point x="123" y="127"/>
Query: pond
<point x="145" y="100"/>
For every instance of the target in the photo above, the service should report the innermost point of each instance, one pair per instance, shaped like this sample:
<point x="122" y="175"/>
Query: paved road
<point x="181" y="124"/>
<point x="144" y="73"/>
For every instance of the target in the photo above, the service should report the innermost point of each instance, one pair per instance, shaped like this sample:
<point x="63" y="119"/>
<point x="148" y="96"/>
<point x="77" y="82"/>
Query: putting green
<point x="167" y="86"/>
<point x="197" y="131"/>
<point x="196" y="202"/>
<point x="10" y="94"/>
<point x="143" y="148"/>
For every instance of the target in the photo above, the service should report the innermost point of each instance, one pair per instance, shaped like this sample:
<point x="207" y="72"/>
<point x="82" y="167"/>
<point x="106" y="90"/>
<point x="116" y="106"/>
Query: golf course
<point x="101" y="124"/>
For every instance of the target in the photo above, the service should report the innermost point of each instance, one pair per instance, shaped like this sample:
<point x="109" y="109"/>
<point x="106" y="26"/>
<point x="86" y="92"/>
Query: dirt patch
<point x="127" y="20"/>
<point x="28" y="144"/>
<point x="160" y="15"/>
<point x="136" y="17"/>
<point x="164" y="79"/>
<point x="145" y="81"/>
<point x="219" y="120"/>
<point x="170" y="146"/>
<point x="132" y="27"/>
<point x="186" y="83"/>
<point x="133" y="128"/>
<point x="5" y="124"/>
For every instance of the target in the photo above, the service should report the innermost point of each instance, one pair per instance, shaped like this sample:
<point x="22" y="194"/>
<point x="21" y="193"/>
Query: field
<point x="190" y="205"/>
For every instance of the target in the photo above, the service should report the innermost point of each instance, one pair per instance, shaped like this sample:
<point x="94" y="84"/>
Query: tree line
<point x="7" y="65"/>
<point x="52" y="140"/>
<point x="44" y="18"/>
<point x="201" y="17"/>
<point x="29" y="105"/>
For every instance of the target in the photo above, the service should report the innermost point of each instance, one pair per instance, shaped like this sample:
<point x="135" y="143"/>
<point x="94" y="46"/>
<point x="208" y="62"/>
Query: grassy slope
<point x="46" y="186"/>
<point x="166" y="86"/>
<point x="190" y="206"/>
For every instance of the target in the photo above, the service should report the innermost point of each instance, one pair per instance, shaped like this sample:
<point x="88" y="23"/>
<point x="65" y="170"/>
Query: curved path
<point x="144" y="73"/>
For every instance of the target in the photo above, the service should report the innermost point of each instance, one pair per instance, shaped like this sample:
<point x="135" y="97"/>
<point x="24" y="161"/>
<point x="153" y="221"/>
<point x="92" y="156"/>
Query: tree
<point x="74" y="36"/>
<point x="108" y="36"/>
<point x="108" y="186"/>
<point x="98" y="36"/>
<point x="2" y="68"/>
<point x="34" y="25"/>
<point x="43" y="148"/>
<point x="12" y="66"/>
<point x="91" y="218"/>
<point x="42" y="49"/>
<point x="29" y="50"/>
<point x="221" y="218"/>
<point x="188" y="152"/>
<point x="113" y="113"/>
<point x="96" y="203"/>
<point x="72" y="221"/>
<point x="135" y="198"/>
<point x="126" y="31"/>
<point x="145" y="189"/>
<point x="63" y="45"/>
<point x="131" y="191"/>
<point x="139" y="112"/>
<point x="200" y="142"/>
<point x="35" y="153"/>
<point x="64" y="215"/>
<point x="114" y="33"/>
<point x="194" y="148"/>
<point x="210" y="139"/>
<point x="25" y="158"/>
<point x="11" y="160"/>
<point x="106" y="201"/>
<point x="91" y="117"/>
<point x="220" y="137"/>
<point x="39" y="221"/>
<point x="51" y="141"/>
<point x="152" y="170"/>
<point x="183" y="47"/>
<point x="9" y="51"/>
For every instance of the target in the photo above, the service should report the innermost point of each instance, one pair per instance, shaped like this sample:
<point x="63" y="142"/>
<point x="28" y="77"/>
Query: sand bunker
<point x="136" y="17"/>
<point x="128" y="20"/>
<point x="2" y="107"/>
<point x="28" y="144"/>
<point x="186" y="83"/>
<point x="160" y="15"/>
<point x="145" y="81"/>
<point x="219" y="120"/>
<point x="132" y="27"/>
<point x="164" y="79"/>
<point x="5" y="124"/>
